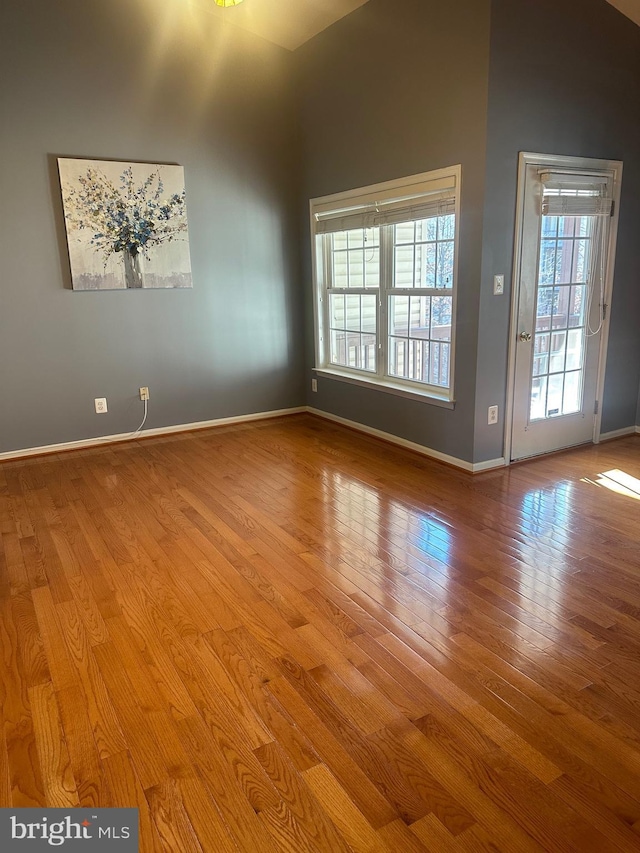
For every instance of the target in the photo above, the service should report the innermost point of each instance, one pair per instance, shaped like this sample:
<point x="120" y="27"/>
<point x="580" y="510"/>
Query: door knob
<point x="525" y="337"/>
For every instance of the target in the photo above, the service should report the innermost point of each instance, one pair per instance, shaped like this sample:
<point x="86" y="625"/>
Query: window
<point x="385" y="276"/>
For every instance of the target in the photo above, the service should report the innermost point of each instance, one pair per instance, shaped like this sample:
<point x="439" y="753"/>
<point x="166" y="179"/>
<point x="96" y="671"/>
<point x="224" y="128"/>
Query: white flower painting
<point x="126" y="224"/>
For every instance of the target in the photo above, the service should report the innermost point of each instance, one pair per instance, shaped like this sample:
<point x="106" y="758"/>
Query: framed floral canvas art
<point x="126" y="224"/>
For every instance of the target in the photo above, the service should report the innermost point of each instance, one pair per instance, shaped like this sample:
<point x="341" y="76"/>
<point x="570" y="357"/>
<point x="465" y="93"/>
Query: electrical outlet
<point x="498" y="285"/>
<point x="101" y="405"/>
<point x="314" y="384"/>
<point x="144" y="393"/>
<point x="493" y="415"/>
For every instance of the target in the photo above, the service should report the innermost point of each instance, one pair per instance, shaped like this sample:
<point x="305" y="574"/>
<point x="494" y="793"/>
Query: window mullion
<point x="327" y="256"/>
<point x="423" y="291"/>
<point x="386" y="283"/>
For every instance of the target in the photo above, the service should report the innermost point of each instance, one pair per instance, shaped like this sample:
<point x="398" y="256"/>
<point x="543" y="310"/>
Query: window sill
<point x="388" y="387"/>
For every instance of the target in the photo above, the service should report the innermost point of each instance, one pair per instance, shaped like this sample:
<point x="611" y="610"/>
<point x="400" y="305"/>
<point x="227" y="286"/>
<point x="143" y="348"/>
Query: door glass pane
<point x="547" y="262"/>
<point x="558" y="351"/>
<point x="572" y="392"/>
<point x="554" y="395"/>
<point x="577" y="306"/>
<point x="584" y="225"/>
<point x="538" y="397"/>
<point x="579" y="261"/>
<point x="564" y="256"/>
<point x="560" y="306"/>
<point x="540" y="364"/>
<point x="550" y="226"/>
<point x="541" y="354"/>
<point x="575" y="348"/>
<point x="544" y="309"/>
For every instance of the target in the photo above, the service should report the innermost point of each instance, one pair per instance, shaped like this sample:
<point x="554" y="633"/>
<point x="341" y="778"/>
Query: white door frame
<point x="526" y="158"/>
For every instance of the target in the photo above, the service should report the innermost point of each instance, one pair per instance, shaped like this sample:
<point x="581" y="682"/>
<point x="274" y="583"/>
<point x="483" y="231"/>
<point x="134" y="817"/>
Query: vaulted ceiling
<point x="291" y="23"/>
<point x="288" y="23"/>
<point x="630" y="8"/>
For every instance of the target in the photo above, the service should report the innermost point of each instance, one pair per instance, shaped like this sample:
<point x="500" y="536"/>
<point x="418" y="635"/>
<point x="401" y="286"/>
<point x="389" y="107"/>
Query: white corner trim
<point x="147" y="433"/>
<point x="619" y="433"/>
<point x="489" y="465"/>
<point x="471" y="467"/>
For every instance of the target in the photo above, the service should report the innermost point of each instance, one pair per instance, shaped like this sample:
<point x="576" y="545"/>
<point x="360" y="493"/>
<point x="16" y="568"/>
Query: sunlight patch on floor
<point x="617" y="481"/>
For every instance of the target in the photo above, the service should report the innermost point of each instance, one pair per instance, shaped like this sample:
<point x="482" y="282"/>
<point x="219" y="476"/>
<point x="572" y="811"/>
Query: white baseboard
<point x="147" y="433"/>
<point x="472" y="467"/>
<point x="619" y="433"/>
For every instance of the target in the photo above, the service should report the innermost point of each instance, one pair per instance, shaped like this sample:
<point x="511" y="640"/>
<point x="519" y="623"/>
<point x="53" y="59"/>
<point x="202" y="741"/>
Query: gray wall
<point x="564" y="79"/>
<point x="391" y="90"/>
<point x="371" y="112"/>
<point x="161" y="82"/>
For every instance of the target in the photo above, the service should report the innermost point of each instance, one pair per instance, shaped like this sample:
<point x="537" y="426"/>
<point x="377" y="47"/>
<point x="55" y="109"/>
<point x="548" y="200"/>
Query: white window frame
<point x="406" y="192"/>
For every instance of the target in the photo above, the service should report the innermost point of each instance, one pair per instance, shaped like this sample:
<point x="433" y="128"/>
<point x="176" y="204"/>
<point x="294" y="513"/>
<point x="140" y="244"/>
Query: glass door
<point x="561" y="308"/>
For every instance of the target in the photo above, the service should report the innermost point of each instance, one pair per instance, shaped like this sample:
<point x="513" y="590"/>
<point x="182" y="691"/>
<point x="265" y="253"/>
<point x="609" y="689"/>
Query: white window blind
<point x="417" y="201"/>
<point x="558" y="205"/>
<point x="573" y="194"/>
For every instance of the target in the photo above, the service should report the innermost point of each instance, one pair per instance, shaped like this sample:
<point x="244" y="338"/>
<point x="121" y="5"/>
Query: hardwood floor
<point x="288" y="636"/>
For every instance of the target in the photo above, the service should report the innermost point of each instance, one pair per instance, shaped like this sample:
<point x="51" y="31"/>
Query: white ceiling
<point x="288" y="23"/>
<point x="291" y="23"/>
